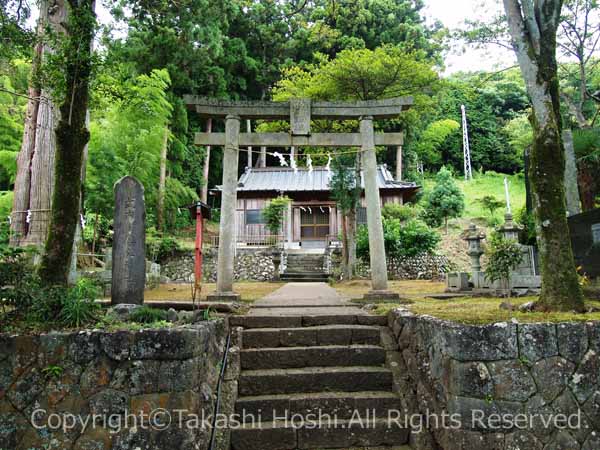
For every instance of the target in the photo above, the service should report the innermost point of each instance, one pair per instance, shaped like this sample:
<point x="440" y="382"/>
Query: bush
<point x="528" y="235"/>
<point x="273" y="213"/>
<point x="445" y="201"/>
<point x="159" y="247"/>
<point x="79" y="307"/>
<point x="147" y="314"/>
<point x="18" y="282"/>
<point x="407" y="239"/>
<point x="400" y="212"/>
<point x="504" y="255"/>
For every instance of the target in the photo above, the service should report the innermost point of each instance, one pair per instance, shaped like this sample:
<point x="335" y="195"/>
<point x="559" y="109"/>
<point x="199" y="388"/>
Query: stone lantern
<point x="474" y="238"/>
<point x="509" y="229"/>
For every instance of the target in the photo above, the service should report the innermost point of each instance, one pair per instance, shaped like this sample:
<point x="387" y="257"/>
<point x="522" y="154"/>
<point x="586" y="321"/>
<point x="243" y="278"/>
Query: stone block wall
<point x="510" y="386"/>
<point x="421" y="267"/>
<point x="250" y="265"/>
<point x="49" y="383"/>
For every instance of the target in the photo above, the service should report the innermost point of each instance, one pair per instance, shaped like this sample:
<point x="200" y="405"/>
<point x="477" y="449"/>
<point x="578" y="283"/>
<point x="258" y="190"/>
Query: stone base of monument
<point x="223" y="297"/>
<point x="124" y="310"/>
<point x="381" y="295"/>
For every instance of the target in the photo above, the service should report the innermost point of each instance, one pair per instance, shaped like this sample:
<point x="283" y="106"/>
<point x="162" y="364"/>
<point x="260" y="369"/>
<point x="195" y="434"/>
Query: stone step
<point x="301" y="273"/>
<point x="296" y="321"/>
<point x="314" y="379"/>
<point x="341" y="404"/>
<point x="315" y="279"/>
<point x="321" y="356"/>
<point x="335" y="435"/>
<point x="311" y="336"/>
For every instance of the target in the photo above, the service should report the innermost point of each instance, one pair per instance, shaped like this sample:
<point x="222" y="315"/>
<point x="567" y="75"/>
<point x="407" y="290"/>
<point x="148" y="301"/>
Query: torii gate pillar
<point x="379" y="279"/>
<point x="227" y="240"/>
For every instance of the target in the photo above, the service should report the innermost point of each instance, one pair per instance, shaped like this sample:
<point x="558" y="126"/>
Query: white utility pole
<point x="466" y="149"/>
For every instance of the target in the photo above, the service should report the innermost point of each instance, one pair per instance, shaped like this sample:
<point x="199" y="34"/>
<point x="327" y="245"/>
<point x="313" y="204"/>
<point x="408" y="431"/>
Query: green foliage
<point x="399" y="212"/>
<point x="18" y="283"/>
<point x="504" y="255"/>
<point x="273" y="213"/>
<point x="147" y="314"/>
<point x="401" y="239"/>
<point x="490" y="203"/>
<point x="445" y="201"/>
<point x="491" y="101"/>
<point x="344" y="188"/>
<point x="128" y="140"/>
<point x="53" y="372"/>
<point x="528" y="234"/>
<point x="433" y="138"/>
<point x="160" y="247"/>
<point x="79" y="307"/>
<point x="520" y="133"/>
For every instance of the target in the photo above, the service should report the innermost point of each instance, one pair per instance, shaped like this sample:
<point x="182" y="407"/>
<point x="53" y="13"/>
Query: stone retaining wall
<point x="118" y="375"/>
<point x="527" y="372"/>
<point x="250" y="265"/>
<point x="421" y="267"/>
<point x="257" y="265"/>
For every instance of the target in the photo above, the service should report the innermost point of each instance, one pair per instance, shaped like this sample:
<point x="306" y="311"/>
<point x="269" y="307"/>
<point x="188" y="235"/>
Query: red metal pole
<point x="198" y="260"/>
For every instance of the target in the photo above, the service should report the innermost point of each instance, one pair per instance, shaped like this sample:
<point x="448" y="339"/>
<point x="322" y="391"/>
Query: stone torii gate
<point x="299" y="112"/>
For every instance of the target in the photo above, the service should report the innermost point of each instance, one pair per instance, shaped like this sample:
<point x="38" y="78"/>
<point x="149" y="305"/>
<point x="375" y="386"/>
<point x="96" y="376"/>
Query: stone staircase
<point x="306" y="367"/>
<point x="305" y="267"/>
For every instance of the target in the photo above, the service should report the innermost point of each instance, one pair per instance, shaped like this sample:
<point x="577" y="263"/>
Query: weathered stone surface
<point x="592" y="410"/>
<point x="537" y="341"/>
<point x="553" y="375"/>
<point x="592" y="442"/>
<point x="108" y="373"/>
<point x="555" y="372"/>
<point x="109" y="402"/>
<point x="129" y="243"/>
<point x="485" y="343"/>
<point x="469" y="379"/>
<point x="585" y="379"/>
<point x="512" y="380"/>
<point x="522" y="440"/>
<point x="563" y="441"/>
<point x="572" y="340"/>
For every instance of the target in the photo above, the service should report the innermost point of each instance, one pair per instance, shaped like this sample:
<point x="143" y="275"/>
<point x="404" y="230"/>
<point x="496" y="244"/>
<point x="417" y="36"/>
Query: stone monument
<point x="129" y="243"/>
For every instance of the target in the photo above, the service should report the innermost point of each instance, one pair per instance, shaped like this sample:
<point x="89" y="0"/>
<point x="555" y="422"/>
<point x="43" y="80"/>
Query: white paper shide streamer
<point x="309" y="164"/>
<point x="282" y="161"/>
<point x="328" y="166"/>
<point x="293" y="164"/>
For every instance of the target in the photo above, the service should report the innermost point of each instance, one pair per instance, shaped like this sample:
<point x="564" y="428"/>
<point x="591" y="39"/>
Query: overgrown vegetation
<point x="273" y="214"/>
<point x="401" y="239"/>
<point x="504" y="255"/>
<point x="445" y="201"/>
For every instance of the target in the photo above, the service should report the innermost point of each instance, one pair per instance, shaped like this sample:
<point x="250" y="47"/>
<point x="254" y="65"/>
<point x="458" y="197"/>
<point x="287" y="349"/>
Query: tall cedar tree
<point x="72" y="136"/>
<point x="533" y="26"/>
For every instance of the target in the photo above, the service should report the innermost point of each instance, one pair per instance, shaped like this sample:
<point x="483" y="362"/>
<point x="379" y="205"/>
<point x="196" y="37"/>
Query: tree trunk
<point x="345" y="248"/>
<point x="162" y="182"/>
<point x="399" y="163"/>
<point x="34" y="181"/>
<point x="72" y="136"/>
<point x="533" y="29"/>
<point x="205" y="172"/>
<point x="351" y="241"/>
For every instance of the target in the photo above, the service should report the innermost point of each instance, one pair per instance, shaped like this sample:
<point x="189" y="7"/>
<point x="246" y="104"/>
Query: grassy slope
<point x="490" y="183"/>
